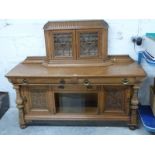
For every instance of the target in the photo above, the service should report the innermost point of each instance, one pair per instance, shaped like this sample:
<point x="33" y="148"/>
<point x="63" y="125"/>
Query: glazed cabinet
<point x="79" y="42"/>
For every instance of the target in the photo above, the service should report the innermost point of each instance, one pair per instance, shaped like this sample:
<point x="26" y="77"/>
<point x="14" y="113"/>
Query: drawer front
<point x="82" y="81"/>
<point x="77" y="88"/>
<point x="124" y="81"/>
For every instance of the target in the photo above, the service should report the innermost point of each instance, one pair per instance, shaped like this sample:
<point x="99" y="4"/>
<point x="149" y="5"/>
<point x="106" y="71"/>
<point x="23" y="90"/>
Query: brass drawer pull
<point x="87" y="84"/>
<point x="125" y="81"/>
<point x="24" y="81"/>
<point x="61" y="85"/>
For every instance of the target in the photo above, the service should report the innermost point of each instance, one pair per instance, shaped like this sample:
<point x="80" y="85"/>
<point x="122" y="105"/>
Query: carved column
<point x="20" y="106"/>
<point x="133" y="108"/>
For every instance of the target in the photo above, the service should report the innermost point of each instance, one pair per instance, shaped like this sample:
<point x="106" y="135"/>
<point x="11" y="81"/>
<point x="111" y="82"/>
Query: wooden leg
<point x="20" y="106"/>
<point x="134" y="106"/>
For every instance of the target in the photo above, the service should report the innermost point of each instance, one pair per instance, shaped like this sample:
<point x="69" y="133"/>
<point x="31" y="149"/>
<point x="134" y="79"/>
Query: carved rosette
<point x="20" y="106"/>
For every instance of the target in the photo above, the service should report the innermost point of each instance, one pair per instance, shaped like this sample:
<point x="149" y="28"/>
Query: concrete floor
<point x="9" y="126"/>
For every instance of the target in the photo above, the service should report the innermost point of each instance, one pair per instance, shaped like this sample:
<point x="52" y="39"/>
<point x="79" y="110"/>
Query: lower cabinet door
<point x="116" y="99"/>
<point x="37" y="100"/>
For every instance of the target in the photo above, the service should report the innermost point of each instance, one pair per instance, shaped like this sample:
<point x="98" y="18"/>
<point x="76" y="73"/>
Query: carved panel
<point x="116" y="99"/>
<point x="38" y="98"/>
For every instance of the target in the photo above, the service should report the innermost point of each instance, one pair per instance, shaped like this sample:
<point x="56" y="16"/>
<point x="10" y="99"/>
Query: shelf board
<point x="84" y="110"/>
<point x="150" y="35"/>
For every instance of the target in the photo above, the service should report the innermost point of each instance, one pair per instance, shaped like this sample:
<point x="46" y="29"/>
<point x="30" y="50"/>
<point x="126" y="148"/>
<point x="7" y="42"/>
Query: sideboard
<point x="77" y="80"/>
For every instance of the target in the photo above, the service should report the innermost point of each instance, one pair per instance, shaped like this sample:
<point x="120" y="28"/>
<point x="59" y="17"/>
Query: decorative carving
<point x="20" y="106"/>
<point x="38" y="98"/>
<point x="114" y="98"/>
<point x="134" y="106"/>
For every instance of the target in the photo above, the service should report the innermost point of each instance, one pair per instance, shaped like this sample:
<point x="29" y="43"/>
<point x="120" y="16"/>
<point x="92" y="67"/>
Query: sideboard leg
<point x="20" y="107"/>
<point x="133" y="109"/>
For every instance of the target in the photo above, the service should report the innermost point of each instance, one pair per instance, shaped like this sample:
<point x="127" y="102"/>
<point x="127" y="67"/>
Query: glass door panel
<point x="89" y="44"/>
<point x="63" y="45"/>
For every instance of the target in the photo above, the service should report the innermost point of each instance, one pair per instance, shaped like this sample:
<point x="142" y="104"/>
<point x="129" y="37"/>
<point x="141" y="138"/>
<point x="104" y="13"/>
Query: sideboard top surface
<point x="117" y="69"/>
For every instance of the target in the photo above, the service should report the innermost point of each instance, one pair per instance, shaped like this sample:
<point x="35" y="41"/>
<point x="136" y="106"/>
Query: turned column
<point x="20" y="107"/>
<point x="133" y="108"/>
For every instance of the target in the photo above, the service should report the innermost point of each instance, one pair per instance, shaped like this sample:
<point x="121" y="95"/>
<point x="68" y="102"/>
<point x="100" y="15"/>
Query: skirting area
<point x="9" y="126"/>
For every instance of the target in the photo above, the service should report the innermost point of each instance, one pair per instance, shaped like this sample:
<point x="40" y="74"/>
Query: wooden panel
<point x="37" y="98"/>
<point x="74" y="117"/>
<point x="104" y="44"/>
<point x="117" y="99"/>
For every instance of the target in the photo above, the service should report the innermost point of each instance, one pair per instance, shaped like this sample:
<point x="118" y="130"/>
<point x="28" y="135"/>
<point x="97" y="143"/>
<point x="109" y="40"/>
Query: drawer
<point x="78" y="80"/>
<point x="45" y="80"/>
<point x="124" y="81"/>
<point x="77" y="88"/>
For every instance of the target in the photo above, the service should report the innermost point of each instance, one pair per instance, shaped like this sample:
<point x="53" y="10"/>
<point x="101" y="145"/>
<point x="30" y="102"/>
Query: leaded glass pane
<point x="63" y="44"/>
<point x="89" y="44"/>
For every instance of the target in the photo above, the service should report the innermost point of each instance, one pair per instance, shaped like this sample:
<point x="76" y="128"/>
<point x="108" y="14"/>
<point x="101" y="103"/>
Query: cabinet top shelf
<point x="84" y="24"/>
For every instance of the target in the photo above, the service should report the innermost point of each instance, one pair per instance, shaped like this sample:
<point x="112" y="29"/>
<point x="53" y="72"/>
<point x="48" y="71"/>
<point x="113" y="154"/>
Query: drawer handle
<point x="87" y="84"/>
<point x="61" y="85"/>
<point x="125" y="81"/>
<point x="24" y="81"/>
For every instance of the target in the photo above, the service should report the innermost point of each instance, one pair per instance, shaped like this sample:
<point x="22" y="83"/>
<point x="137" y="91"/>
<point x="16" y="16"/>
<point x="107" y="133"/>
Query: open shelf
<point x="76" y="103"/>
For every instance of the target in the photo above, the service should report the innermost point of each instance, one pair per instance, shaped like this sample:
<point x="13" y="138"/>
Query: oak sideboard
<point x="77" y="80"/>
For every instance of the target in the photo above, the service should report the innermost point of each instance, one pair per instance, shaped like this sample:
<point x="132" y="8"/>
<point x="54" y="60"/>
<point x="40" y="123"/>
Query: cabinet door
<point x="88" y="43"/>
<point x="116" y="99"/>
<point x="38" y="100"/>
<point x="63" y="44"/>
